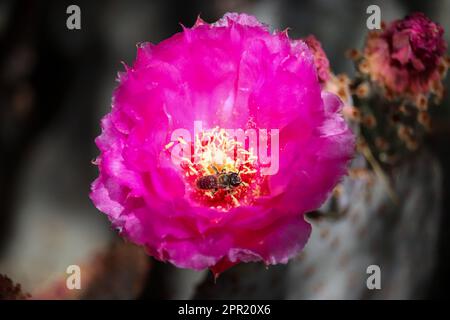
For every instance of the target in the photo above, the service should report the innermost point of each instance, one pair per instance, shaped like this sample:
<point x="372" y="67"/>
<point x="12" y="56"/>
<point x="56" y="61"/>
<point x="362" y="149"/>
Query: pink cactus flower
<point x="407" y="57"/>
<point x="174" y="175"/>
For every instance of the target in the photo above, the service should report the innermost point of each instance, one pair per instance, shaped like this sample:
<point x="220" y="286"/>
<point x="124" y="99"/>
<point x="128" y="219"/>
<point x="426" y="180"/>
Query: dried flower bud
<point x="364" y="67"/>
<point x="343" y="79"/>
<point x="369" y="121"/>
<point x="442" y="68"/>
<point x="353" y="54"/>
<point x="361" y="144"/>
<point x="337" y="191"/>
<point x="404" y="109"/>
<point x="412" y="144"/>
<point x="438" y="89"/>
<point x="422" y="102"/>
<point x="406" y="57"/>
<point x="342" y="93"/>
<point x="362" y="90"/>
<point x="404" y="132"/>
<point x="320" y="58"/>
<point x="381" y="144"/>
<point x="351" y="113"/>
<point x="424" y="119"/>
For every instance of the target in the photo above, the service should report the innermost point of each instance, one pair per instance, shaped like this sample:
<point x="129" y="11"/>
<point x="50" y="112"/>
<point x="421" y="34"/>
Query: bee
<point x="220" y="180"/>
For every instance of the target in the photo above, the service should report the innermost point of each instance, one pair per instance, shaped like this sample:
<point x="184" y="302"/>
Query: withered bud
<point x="343" y="79"/>
<point x="438" y="89"/>
<point x="361" y="144"/>
<point x="424" y="119"/>
<point x="342" y="93"/>
<point x="442" y="68"/>
<point x="381" y="144"/>
<point x="422" y="103"/>
<point x="373" y="34"/>
<point x="404" y="132"/>
<point x="447" y="60"/>
<point x="412" y="144"/>
<point x="404" y="109"/>
<point x="337" y="191"/>
<point x="353" y="54"/>
<point x="362" y="90"/>
<point x="364" y="67"/>
<point x="351" y="113"/>
<point x="369" y="121"/>
<point x="437" y="100"/>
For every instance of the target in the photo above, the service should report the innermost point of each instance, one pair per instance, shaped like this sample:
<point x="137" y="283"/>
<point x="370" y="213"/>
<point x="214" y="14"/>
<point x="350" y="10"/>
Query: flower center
<point x="222" y="174"/>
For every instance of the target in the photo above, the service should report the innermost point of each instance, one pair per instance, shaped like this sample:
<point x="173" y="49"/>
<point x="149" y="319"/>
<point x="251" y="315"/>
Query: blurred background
<point x="56" y="84"/>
